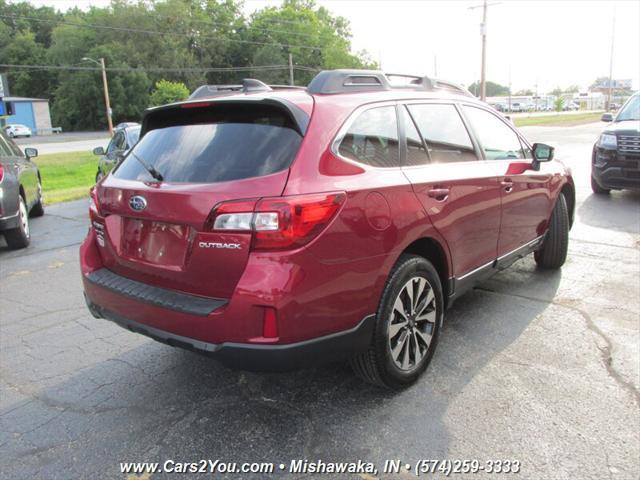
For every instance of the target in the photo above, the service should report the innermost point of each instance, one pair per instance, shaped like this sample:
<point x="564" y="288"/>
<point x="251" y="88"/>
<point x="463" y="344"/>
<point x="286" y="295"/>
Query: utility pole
<point x="291" y="69"/>
<point x="613" y="32"/>
<point x="509" y="88"/>
<point x="483" y="73"/>
<point x="483" y="33"/>
<point x="105" y="87"/>
<point x="107" y="103"/>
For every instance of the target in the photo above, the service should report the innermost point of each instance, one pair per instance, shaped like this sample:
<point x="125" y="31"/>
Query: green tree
<point x="180" y="41"/>
<point x="558" y="104"/>
<point x="493" y="89"/>
<point x="524" y="92"/>
<point x="572" y="89"/>
<point x="23" y="49"/>
<point x="315" y="38"/>
<point x="168" y="92"/>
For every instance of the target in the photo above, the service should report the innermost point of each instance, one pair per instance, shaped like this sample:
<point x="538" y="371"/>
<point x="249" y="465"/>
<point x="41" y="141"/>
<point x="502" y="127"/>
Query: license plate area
<point x="153" y="242"/>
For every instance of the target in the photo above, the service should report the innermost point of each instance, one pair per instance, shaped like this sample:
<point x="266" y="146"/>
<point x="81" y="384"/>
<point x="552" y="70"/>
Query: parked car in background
<point x="16" y="130"/>
<point x="125" y="136"/>
<point x="274" y="229"/>
<point x="516" y="107"/>
<point x="615" y="160"/>
<point x="20" y="192"/>
<point x="571" y="106"/>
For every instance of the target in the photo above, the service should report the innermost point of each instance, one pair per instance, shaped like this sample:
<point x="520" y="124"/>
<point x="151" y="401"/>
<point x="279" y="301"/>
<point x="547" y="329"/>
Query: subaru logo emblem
<point x="138" y="203"/>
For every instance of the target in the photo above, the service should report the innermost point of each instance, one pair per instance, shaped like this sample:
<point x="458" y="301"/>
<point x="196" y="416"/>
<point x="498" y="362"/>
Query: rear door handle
<point x="507" y="184"/>
<point x="439" y="194"/>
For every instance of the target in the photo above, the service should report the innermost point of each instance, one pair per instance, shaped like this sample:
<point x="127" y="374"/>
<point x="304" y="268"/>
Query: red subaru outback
<point x="278" y="228"/>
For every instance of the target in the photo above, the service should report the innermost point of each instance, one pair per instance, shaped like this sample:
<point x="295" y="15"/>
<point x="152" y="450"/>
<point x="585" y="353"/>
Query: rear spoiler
<point x="153" y="116"/>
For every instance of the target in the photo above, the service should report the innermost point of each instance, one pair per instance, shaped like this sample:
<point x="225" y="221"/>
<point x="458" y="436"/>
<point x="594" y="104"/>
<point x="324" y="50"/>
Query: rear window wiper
<point x="152" y="171"/>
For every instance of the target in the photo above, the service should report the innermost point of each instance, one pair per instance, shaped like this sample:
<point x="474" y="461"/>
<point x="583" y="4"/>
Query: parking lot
<point x="539" y="367"/>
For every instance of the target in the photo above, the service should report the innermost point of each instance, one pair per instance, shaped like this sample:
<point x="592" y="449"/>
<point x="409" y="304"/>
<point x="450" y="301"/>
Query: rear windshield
<point x="213" y="144"/>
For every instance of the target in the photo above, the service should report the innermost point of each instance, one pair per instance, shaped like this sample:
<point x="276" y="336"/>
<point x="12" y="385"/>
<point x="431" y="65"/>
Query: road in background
<point x="535" y="366"/>
<point x="65" y="142"/>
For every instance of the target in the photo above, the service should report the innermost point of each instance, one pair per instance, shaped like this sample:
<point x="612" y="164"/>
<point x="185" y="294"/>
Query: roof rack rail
<point x="344" y="81"/>
<point x="249" y="85"/>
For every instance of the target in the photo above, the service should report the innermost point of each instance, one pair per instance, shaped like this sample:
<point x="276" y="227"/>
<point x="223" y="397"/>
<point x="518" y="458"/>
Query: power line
<point x="156" y="32"/>
<point x="159" y="69"/>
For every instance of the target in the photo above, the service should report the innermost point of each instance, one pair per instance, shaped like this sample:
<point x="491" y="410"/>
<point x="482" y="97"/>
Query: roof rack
<point x="345" y="81"/>
<point x="249" y="85"/>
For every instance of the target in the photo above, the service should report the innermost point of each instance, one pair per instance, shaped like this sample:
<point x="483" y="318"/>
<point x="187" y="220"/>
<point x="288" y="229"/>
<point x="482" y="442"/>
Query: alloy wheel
<point x="24" y="217"/>
<point x="412" y="324"/>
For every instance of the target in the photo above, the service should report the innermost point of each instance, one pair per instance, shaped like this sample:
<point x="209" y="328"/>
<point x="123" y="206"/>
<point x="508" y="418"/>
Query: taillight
<point x="291" y="222"/>
<point x="278" y="223"/>
<point x="1" y="172"/>
<point x="94" y="205"/>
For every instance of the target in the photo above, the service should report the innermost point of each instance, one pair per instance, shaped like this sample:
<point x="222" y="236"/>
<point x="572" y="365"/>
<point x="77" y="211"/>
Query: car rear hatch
<point x="157" y="230"/>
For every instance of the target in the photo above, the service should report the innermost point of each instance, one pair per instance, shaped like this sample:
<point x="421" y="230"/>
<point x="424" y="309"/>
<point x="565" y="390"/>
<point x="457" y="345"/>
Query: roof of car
<point x="349" y="86"/>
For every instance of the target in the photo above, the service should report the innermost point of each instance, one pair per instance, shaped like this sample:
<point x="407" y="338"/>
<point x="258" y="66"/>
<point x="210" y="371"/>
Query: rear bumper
<point x="308" y="353"/>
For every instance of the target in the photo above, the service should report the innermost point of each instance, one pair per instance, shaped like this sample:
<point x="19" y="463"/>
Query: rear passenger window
<point x="498" y="141"/>
<point x="444" y="133"/>
<point x="416" y="153"/>
<point x="372" y="138"/>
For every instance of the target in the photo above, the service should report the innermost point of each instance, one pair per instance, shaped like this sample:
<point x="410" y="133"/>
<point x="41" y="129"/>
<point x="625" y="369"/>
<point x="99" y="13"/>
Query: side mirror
<point x="31" y="152"/>
<point x="542" y="152"/>
<point x="607" y="117"/>
<point x="98" y="151"/>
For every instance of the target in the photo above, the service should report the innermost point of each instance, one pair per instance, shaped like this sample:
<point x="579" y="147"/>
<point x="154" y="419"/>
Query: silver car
<point x="20" y="192"/>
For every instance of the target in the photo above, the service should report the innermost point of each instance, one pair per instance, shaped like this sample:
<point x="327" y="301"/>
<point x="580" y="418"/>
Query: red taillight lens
<point x="292" y="222"/>
<point x="1" y="172"/>
<point x="278" y="223"/>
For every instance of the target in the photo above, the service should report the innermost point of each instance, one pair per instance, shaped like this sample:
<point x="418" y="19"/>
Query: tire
<point x="38" y="209"/>
<point x="597" y="189"/>
<point x="553" y="252"/>
<point x="402" y="332"/>
<point x="19" y="237"/>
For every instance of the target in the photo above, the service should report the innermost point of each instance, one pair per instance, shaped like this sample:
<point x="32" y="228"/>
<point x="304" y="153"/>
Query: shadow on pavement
<point x="154" y="403"/>
<point x="619" y="211"/>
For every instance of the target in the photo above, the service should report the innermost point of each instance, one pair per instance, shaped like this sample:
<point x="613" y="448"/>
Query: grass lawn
<point x="558" y="119"/>
<point x="67" y="176"/>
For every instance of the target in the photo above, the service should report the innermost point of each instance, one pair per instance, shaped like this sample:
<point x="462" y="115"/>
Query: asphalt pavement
<point x="535" y="366"/>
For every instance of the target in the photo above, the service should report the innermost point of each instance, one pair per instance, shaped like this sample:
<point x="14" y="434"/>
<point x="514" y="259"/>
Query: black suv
<point x="615" y="162"/>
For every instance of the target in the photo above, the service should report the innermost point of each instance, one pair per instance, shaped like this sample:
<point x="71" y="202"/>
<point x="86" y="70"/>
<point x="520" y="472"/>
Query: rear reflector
<point x="280" y="222"/>
<point x="270" y="323"/>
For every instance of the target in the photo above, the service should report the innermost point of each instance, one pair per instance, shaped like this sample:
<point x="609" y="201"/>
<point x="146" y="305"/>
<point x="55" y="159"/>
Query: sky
<point x="530" y="44"/>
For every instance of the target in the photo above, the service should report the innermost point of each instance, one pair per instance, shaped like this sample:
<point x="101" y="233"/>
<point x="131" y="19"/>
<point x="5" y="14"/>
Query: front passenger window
<point x="498" y="141"/>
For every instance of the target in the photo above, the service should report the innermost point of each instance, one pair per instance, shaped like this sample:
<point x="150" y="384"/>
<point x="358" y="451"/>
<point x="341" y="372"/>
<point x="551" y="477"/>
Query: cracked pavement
<point x="542" y="367"/>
